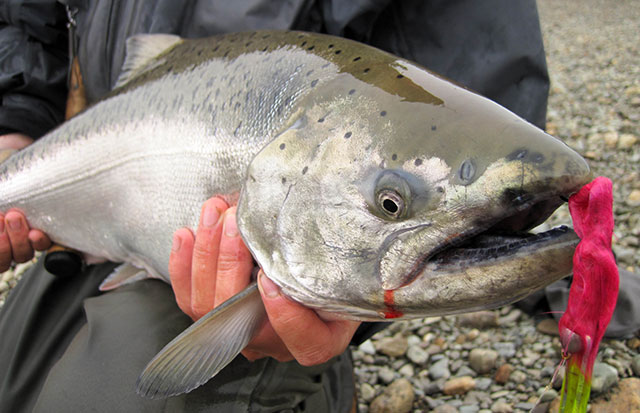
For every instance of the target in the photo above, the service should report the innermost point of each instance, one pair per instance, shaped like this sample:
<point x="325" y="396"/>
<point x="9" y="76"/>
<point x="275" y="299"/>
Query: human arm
<point x="215" y="264"/>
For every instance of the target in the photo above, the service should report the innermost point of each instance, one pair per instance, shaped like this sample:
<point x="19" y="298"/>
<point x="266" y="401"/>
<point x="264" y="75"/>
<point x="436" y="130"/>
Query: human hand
<point x="215" y="265"/>
<point x="17" y="240"/>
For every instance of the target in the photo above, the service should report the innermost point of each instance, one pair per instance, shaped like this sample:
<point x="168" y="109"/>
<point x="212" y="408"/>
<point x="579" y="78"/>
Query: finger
<point x="267" y="344"/>
<point x="205" y="257"/>
<point x="310" y="339"/>
<point x="234" y="260"/>
<point x="180" y="268"/>
<point x="5" y="247"/>
<point x="14" y="141"/>
<point x="18" y="230"/>
<point x="39" y="240"/>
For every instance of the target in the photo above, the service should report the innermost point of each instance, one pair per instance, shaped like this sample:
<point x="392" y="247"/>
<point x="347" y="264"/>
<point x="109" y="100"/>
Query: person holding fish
<point x="66" y="346"/>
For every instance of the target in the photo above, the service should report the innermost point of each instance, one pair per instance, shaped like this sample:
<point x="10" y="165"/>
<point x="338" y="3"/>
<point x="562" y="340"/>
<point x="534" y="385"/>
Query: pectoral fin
<point x="205" y="348"/>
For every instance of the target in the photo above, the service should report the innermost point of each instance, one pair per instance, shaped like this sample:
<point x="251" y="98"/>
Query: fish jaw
<point x="470" y="279"/>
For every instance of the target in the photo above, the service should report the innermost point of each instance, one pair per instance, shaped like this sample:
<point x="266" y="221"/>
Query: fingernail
<point x="177" y="243"/>
<point x="211" y="216"/>
<point x="268" y="287"/>
<point x="230" y="226"/>
<point x="15" y="224"/>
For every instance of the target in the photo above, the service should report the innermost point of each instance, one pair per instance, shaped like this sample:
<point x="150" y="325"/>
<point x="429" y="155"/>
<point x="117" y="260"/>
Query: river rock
<point x="604" y="376"/>
<point x="397" y="398"/>
<point x="479" y="319"/>
<point x="626" y="398"/>
<point x="458" y="385"/>
<point x="635" y="364"/>
<point x="367" y="392"/>
<point x="417" y="355"/>
<point x="368" y="348"/>
<point x="482" y="360"/>
<point x="501" y="406"/>
<point x="394" y="346"/>
<point x="445" y="408"/>
<point x="440" y="369"/>
<point x="503" y="373"/>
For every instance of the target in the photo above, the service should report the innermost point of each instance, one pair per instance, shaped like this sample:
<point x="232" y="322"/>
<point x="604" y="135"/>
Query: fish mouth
<point x="487" y="246"/>
<point x="499" y="240"/>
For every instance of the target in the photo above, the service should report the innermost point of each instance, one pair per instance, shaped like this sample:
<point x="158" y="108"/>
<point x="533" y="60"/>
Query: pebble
<point x="505" y="349"/>
<point x="445" y="408"/>
<point x="634" y="197"/>
<point x="548" y="326"/>
<point x="626" y="398"/>
<point x="7" y="276"/>
<point x="367" y="392"/>
<point x="627" y="141"/>
<point x="468" y="408"/>
<point x="548" y="395"/>
<point x="406" y="370"/>
<point x="394" y="346"/>
<point x="518" y="376"/>
<point x="386" y="374"/>
<point x="367" y="347"/>
<point x="479" y="319"/>
<point x="483" y="383"/>
<point x="604" y="376"/>
<point x="482" y="360"/>
<point x="417" y="355"/>
<point x="501" y="407"/>
<point x="397" y="398"/>
<point x="635" y="365"/>
<point x="503" y="373"/>
<point x="440" y="369"/>
<point x="458" y="385"/>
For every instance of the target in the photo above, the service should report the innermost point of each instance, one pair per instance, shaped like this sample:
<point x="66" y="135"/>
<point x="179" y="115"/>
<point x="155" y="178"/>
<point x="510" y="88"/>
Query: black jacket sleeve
<point x="33" y="66"/>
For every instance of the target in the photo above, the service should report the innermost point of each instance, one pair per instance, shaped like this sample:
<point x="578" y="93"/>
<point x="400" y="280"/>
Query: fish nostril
<point x="467" y="171"/>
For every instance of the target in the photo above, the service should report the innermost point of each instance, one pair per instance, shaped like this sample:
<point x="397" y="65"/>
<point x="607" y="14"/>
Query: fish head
<point x="404" y="195"/>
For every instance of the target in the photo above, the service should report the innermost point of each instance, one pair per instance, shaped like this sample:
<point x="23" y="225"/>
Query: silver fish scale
<point x="197" y="141"/>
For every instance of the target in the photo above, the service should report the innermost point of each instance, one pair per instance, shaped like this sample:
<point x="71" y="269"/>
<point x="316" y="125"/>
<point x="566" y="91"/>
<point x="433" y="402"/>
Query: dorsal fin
<point x="141" y="49"/>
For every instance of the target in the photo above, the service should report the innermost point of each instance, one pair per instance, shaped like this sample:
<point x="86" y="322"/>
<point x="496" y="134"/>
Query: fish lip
<point x="504" y="246"/>
<point x="456" y="251"/>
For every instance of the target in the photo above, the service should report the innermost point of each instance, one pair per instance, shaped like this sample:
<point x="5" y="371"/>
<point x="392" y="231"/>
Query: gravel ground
<point x="500" y="361"/>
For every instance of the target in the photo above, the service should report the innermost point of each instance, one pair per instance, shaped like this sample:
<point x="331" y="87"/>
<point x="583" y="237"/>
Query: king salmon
<point x="367" y="187"/>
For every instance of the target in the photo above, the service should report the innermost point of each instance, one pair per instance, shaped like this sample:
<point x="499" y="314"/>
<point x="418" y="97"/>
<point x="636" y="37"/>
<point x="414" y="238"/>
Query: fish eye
<point x="391" y="203"/>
